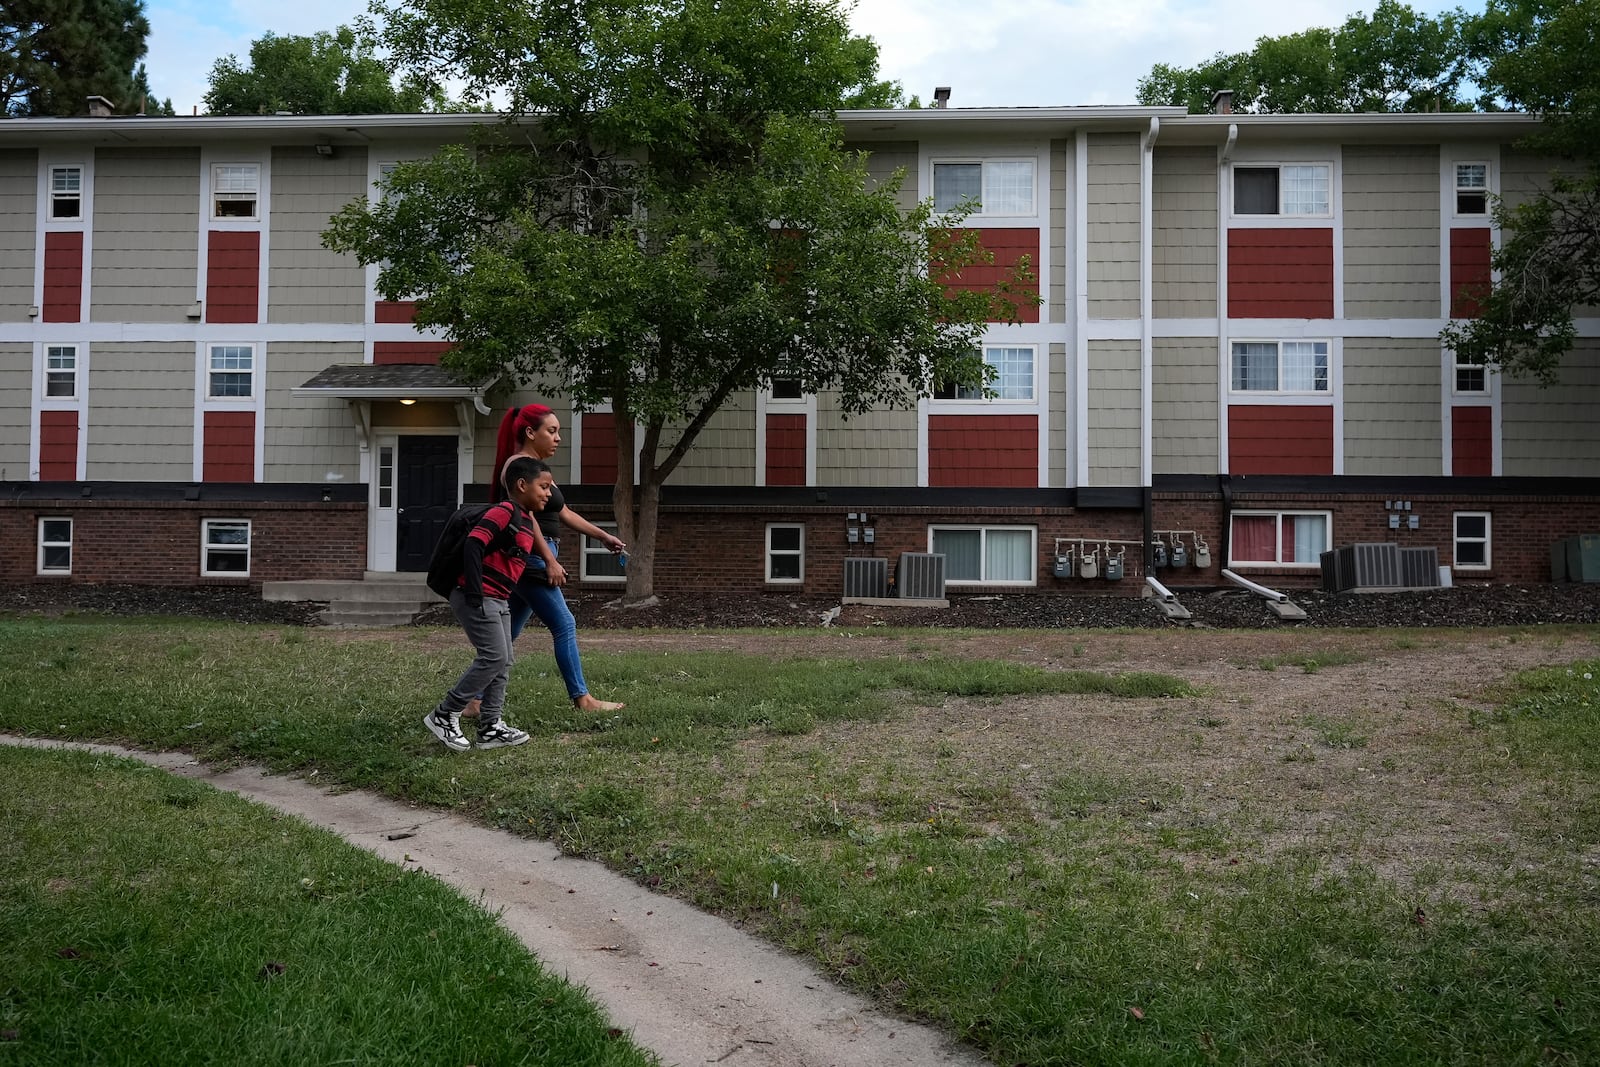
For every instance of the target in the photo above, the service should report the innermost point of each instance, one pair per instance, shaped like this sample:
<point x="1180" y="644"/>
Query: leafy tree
<point x="1544" y="57"/>
<point x="1397" y="60"/>
<point x="681" y="222"/>
<point x="55" y="54"/>
<point x="323" y="74"/>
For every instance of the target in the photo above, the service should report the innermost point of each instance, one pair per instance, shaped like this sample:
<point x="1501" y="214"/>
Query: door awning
<point x="390" y="381"/>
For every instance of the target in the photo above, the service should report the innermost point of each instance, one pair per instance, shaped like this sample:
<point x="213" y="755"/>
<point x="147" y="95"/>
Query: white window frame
<point x="211" y="349"/>
<point x="983" y="554"/>
<point x="1456" y="541"/>
<point x="589" y="546"/>
<point x="772" y="553"/>
<point x="1327" y="343"/>
<point x="1277" y="517"/>
<point x="54" y="195"/>
<point x="1455" y="378"/>
<point x="50" y="351"/>
<point x="964" y="395"/>
<point x="1459" y="189"/>
<point x="207" y="547"/>
<point x="984" y="162"/>
<point x="219" y="196"/>
<point x="1279" y="166"/>
<point x="42" y="544"/>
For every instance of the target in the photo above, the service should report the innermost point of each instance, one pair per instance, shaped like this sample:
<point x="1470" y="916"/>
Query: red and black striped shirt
<point x="493" y="559"/>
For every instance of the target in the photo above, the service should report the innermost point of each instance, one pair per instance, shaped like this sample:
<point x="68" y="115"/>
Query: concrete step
<point x="388" y="588"/>
<point x="367" y="617"/>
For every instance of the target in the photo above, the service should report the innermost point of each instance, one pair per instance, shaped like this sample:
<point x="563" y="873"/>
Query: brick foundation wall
<point x="158" y="543"/>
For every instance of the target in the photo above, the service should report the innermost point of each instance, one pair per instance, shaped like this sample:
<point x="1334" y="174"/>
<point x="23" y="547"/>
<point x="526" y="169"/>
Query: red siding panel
<point x="786" y="450"/>
<point x="599" y="448"/>
<point x="230" y="446"/>
<point x="233" y="276"/>
<point x="63" y="277"/>
<point x="1280" y="274"/>
<point x="1008" y="246"/>
<point x="394" y="310"/>
<point x="409" y="351"/>
<point x="1472" y="442"/>
<point x="969" y="450"/>
<point x="1469" y="271"/>
<point x="1274" y="439"/>
<point x="58" y="446"/>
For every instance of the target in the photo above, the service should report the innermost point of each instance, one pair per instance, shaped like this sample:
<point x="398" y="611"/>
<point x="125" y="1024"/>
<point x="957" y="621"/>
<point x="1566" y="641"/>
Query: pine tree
<point x="54" y="54"/>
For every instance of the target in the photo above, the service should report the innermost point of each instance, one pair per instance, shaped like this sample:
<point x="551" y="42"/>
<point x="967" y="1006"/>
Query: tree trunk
<point x="642" y="549"/>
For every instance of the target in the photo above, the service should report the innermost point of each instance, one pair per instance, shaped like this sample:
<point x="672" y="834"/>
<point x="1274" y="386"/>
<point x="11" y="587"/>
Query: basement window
<point x="1471" y="541"/>
<point x="225" y="548"/>
<point x="990" y="555"/>
<point x="786" y="554"/>
<point x="55" y="546"/>
<point x="1280" y="538"/>
<point x="599" y="563"/>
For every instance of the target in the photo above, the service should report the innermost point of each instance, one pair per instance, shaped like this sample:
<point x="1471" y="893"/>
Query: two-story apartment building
<point x="1235" y="363"/>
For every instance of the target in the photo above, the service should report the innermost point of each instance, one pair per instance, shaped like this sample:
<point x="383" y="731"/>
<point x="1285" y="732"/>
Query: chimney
<point x="101" y="108"/>
<point x="1222" y="102"/>
<point x="941" y="96"/>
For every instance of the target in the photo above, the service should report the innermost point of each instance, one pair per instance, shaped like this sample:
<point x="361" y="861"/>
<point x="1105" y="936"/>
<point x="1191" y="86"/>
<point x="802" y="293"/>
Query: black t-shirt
<point x="550" y="517"/>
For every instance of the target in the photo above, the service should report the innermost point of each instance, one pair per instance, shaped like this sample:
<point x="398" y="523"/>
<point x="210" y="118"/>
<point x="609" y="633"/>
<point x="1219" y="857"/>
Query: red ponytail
<point x="515" y="427"/>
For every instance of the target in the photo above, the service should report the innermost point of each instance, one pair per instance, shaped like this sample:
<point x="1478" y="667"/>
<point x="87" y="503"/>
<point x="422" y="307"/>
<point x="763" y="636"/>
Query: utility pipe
<point x="1270" y="594"/>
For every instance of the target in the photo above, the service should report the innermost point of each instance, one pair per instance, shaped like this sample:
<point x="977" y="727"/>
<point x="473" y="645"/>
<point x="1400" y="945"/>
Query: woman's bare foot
<point x="587" y="702"/>
<point x="471" y="710"/>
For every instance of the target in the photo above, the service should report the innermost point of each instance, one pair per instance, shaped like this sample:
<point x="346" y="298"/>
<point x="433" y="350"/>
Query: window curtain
<point x="1008" y="556"/>
<point x="1306" y="536"/>
<point x="1255" y="539"/>
<point x="962" y="549"/>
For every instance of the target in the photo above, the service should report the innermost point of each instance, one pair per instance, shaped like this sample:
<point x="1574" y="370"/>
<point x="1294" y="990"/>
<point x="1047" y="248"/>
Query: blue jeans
<point x="534" y="596"/>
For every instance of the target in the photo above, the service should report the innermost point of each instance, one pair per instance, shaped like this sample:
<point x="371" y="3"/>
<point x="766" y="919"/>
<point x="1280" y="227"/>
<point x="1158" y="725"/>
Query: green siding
<point x="1392" y="421"/>
<point x="725" y="451"/>
<point x="306" y="282"/>
<point x="307" y="440"/>
<point x="1059" y="415"/>
<point x="1114" y="413"/>
<point x="16" y="411"/>
<point x="1113" y="237"/>
<point x="1554" y="432"/>
<point x="1391" y="231"/>
<point x="1183" y="406"/>
<point x="1060" y="214"/>
<point x="1183" y="221"/>
<point x="141" y="412"/>
<point x="878" y="448"/>
<point x="146" y="234"/>
<point x="19" y="213"/>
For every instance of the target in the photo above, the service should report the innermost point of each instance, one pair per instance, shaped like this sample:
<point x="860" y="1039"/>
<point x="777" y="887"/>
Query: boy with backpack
<point x="493" y="556"/>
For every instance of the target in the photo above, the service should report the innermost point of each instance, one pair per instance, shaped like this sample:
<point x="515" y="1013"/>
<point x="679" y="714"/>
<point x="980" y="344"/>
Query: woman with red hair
<point x="533" y="430"/>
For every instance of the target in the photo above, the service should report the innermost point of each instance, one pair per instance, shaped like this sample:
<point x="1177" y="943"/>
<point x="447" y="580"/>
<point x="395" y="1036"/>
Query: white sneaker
<point x="447" y="728"/>
<point x="501" y="735"/>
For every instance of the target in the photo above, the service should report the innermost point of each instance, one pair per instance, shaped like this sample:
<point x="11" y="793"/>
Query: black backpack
<point x="445" y="565"/>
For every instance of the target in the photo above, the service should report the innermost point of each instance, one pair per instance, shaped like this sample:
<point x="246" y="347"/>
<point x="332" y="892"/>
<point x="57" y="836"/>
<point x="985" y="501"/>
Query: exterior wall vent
<point x="920" y="576"/>
<point x="866" y="576"/>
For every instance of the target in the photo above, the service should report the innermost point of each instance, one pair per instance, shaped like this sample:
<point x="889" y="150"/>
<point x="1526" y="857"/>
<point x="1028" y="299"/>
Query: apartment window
<point x="1472" y="188"/>
<point x="61" y="371"/>
<point x="1280" y="366"/>
<point x="787" y="389"/>
<point x="231" y="372"/>
<point x="1472" y="378"/>
<point x="992" y="555"/>
<point x="599" y="563"/>
<point x="225" y="548"/>
<point x="987" y="187"/>
<point x="1472" y="541"/>
<point x="235" y="190"/>
<point x="786" y="554"/>
<point x="1286" y="189"/>
<point x="66" y="193"/>
<point x="1280" y="538"/>
<point x="1012" y="379"/>
<point x="55" y="546"/>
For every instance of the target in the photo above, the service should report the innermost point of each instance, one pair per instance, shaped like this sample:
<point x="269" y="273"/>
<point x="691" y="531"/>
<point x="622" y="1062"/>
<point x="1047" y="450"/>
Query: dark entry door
<point x="427" y="488"/>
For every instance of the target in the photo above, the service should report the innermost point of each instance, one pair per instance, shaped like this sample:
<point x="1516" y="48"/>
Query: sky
<point x="1014" y="53"/>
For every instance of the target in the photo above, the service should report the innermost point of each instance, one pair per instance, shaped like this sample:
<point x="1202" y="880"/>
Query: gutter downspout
<point x="1233" y="139"/>
<point x="1146" y="334"/>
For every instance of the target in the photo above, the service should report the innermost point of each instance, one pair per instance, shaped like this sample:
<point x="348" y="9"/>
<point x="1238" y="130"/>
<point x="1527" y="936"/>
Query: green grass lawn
<point x="154" y="920"/>
<point x="1047" y="913"/>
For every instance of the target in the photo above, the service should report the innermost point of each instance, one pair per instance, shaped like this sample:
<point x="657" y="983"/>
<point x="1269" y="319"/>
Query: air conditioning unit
<point x="920" y="576"/>
<point x="1419" y="568"/>
<point x="866" y="576"/>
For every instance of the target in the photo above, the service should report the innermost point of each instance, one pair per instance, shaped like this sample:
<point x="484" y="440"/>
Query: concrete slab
<point x="1287" y="609"/>
<point x="688" y="986"/>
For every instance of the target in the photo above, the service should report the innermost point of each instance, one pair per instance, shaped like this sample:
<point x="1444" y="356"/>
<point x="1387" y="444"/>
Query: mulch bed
<point x="1500" y="605"/>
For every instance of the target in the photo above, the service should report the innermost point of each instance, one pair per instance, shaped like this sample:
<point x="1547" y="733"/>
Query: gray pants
<point x="489" y="630"/>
